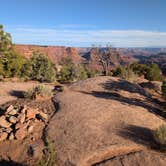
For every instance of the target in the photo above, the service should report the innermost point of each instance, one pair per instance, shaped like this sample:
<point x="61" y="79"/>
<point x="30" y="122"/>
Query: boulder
<point x="4" y="123"/>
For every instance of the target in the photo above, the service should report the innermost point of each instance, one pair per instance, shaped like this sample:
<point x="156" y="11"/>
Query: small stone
<point x="21" y="133"/>
<point x="4" y="123"/>
<point x="3" y="136"/>
<point x="31" y="113"/>
<point x="21" y="118"/>
<point x="10" y="108"/>
<point x="24" y="109"/>
<point x="12" y="112"/>
<point x="13" y="119"/>
<point x="8" y="130"/>
<point x="11" y="136"/>
<point x="43" y="116"/>
<point x="30" y="129"/>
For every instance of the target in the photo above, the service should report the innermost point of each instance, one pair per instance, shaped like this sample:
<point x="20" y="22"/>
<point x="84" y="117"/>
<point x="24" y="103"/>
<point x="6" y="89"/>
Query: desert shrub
<point x="153" y="73"/>
<point x="160" y="135"/>
<point x="10" y="61"/>
<point x="163" y="89"/>
<point x="40" y="90"/>
<point x="67" y="73"/>
<point x="139" y="69"/>
<point x="125" y="73"/>
<point x="70" y="71"/>
<point x="12" y="65"/>
<point x="41" y="68"/>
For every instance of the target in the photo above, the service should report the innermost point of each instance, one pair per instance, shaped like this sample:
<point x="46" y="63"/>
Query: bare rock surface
<point x="103" y="118"/>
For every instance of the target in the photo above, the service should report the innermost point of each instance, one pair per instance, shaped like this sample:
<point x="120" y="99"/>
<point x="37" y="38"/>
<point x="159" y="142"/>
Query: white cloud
<point x="75" y="37"/>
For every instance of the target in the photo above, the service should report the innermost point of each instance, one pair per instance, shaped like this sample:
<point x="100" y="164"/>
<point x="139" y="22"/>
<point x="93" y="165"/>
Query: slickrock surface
<point x="103" y="118"/>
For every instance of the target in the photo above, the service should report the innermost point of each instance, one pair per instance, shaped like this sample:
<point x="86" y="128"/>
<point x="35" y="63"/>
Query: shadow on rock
<point x="139" y="135"/>
<point x="17" y="93"/>
<point x="10" y="163"/>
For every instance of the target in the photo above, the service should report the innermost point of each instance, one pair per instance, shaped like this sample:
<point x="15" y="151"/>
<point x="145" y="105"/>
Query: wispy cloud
<point x="83" y="37"/>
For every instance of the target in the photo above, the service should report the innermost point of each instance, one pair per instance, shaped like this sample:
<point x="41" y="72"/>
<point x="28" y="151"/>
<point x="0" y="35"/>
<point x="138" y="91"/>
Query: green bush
<point x="74" y="72"/>
<point x="125" y="73"/>
<point x="163" y="89"/>
<point x="11" y="65"/>
<point x="40" y="68"/>
<point x="150" y="71"/>
<point x="40" y="90"/>
<point x="160" y="135"/>
<point x="153" y="73"/>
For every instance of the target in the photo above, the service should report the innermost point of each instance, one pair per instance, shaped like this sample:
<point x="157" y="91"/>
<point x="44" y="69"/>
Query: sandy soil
<point x="13" y="90"/>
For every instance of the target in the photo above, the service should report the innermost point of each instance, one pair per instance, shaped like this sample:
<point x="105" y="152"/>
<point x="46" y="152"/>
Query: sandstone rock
<point x="21" y="117"/>
<point x="8" y="130"/>
<point x="11" y="136"/>
<point x="13" y="119"/>
<point x="30" y="129"/>
<point x="24" y="109"/>
<point x="3" y="136"/>
<point x="4" y="123"/>
<point x="42" y="116"/>
<point x="31" y="113"/>
<point x="12" y="112"/>
<point x="10" y="108"/>
<point x="21" y="133"/>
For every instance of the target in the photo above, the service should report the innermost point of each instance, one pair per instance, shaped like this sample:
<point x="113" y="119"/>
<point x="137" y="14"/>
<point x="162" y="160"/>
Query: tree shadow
<point x="10" y="163"/>
<point x="17" y="93"/>
<point x="111" y="89"/>
<point x="125" y="86"/>
<point x="130" y="101"/>
<point x="139" y="135"/>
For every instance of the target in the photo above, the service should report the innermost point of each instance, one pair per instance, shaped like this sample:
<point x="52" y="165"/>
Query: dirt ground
<point x="13" y="90"/>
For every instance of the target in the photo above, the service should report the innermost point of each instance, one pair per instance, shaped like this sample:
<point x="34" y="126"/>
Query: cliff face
<point x="55" y="53"/>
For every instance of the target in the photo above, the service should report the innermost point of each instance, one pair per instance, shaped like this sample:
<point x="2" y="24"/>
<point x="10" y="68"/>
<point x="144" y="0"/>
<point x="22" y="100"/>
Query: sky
<point x="81" y="23"/>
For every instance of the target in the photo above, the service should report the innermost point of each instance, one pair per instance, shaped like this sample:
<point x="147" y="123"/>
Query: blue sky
<point x="122" y="23"/>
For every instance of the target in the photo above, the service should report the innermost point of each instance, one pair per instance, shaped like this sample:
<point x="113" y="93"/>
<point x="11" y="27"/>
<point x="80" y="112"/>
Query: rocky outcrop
<point x="19" y="123"/>
<point x="101" y="118"/>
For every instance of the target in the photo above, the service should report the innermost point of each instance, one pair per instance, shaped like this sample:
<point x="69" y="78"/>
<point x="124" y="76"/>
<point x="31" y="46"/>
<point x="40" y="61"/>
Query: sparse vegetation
<point x="126" y="73"/>
<point x="74" y="72"/>
<point x="49" y="159"/>
<point x="163" y="89"/>
<point x="40" y="90"/>
<point x="103" y="56"/>
<point x="40" y="68"/>
<point x="160" y="136"/>
<point x="151" y="72"/>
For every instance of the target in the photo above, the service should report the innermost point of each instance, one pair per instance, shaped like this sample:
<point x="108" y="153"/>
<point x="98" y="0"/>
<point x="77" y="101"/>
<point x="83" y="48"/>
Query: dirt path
<point x="100" y="118"/>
